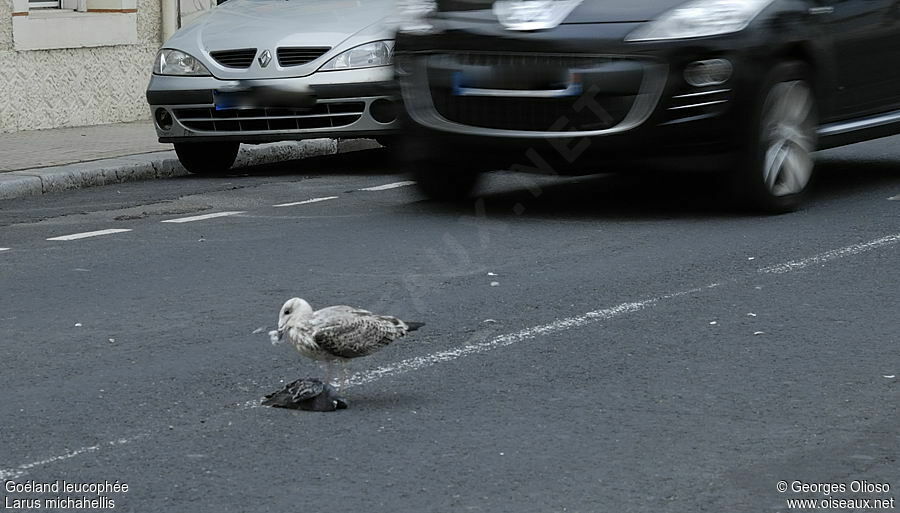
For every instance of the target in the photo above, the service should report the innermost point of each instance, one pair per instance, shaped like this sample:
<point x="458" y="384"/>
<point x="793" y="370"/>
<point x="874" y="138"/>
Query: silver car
<point x="255" y="71"/>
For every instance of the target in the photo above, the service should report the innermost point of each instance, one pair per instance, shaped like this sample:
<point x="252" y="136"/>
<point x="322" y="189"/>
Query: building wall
<point x="76" y="86"/>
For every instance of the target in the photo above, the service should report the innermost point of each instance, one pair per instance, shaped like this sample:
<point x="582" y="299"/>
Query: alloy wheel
<point x="789" y="135"/>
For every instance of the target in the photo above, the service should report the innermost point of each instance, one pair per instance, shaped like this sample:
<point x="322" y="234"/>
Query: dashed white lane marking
<point x="832" y="255"/>
<point x="389" y="186"/>
<point x="568" y="323"/>
<point x="76" y="236"/>
<point x="894" y="198"/>
<point x="13" y="473"/>
<point x="201" y="217"/>
<point x="4" y="249"/>
<point x="306" y="202"/>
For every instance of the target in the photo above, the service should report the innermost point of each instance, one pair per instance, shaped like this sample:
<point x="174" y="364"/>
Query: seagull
<point x="309" y="394"/>
<point x="336" y="333"/>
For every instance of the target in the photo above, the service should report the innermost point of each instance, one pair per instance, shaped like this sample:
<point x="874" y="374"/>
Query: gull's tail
<point x="413" y="326"/>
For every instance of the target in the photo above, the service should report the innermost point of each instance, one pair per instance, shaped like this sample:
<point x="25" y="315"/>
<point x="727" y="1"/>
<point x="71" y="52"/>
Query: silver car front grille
<point x="323" y="115"/>
<point x="241" y="58"/>
<point x="298" y="56"/>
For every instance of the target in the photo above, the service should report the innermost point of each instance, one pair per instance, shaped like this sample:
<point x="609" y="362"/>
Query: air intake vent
<point x="241" y="59"/>
<point x="321" y="116"/>
<point x="298" y="56"/>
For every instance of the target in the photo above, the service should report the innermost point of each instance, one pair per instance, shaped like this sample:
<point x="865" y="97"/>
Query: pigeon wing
<point x="305" y="389"/>
<point x="294" y="394"/>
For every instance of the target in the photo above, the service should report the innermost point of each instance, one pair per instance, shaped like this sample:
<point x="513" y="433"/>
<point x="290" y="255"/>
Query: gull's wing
<point x="350" y="332"/>
<point x="338" y="310"/>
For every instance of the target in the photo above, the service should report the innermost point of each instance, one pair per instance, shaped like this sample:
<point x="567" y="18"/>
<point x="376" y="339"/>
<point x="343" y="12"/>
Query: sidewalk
<point x="41" y="161"/>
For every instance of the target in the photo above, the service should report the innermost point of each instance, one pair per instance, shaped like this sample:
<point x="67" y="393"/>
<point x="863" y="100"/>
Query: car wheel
<point x="443" y="181"/>
<point x="777" y="163"/>
<point x="207" y="158"/>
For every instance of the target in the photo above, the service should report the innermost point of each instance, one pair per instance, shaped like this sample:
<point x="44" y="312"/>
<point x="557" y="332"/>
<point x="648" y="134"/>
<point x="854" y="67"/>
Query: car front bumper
<point x="352" y="103"/>
<point x="641" y="90"/>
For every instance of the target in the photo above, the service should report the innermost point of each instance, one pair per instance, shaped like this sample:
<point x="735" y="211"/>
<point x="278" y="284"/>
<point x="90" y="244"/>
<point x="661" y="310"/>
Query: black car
<point x="749" y="88"/>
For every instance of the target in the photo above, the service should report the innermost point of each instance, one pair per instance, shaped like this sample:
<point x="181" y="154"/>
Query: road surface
<point x="618" y="343"/>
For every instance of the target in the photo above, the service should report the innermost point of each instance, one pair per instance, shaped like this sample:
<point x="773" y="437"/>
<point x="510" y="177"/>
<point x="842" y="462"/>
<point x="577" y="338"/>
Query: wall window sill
<point x="53" y="13"/>
<point x="70" y="13"/>
<point x="47" y="29"/>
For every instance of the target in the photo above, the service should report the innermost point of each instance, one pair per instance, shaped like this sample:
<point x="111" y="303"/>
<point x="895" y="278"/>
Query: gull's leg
<point x="328" y="369"/>
<point x="345" y="375"/>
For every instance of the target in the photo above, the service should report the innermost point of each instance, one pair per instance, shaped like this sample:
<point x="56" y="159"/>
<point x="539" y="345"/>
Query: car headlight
<point x="176" y="62"/>
<point x="413" y="16"/>
<point x="700" y="18"/>
<point x="369" y="55"/>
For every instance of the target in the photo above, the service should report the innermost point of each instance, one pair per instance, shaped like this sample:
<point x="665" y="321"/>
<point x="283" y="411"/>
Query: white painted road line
<point x="306" y="202"/>
<point x="831" y="255"/>
<point x="894" y="198"/>
<point x="420" y="362"/>
<point x="76" y="236"/>
<point x="389" y="186"/>
<point x="4" y="249"/>
<point x="201" y="218"/>
<point x="557" y="326"/>
<point x="13" y="473"/>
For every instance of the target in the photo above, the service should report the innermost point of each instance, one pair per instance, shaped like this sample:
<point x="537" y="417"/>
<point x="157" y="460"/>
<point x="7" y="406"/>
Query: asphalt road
<point x="618" y="343"/>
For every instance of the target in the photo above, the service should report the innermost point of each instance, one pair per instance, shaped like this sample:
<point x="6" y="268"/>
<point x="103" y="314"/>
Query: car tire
<point x="776" y="165"/>
<point x="443" y="181"/>
<point x="207" y="158"/>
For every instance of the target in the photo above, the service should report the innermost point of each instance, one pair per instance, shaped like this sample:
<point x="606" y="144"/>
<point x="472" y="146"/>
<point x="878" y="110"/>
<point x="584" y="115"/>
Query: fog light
<point x="163" y="119"/>
<point x="710" y="72"/>
<point x="383" y="111"/>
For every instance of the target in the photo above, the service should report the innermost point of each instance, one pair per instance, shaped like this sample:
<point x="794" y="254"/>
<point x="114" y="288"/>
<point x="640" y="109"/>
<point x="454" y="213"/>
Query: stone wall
<point x="76" y="86"/>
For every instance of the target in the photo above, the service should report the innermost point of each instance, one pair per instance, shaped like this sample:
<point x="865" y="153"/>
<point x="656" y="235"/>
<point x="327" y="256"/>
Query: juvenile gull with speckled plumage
<point x="336" y="333"/>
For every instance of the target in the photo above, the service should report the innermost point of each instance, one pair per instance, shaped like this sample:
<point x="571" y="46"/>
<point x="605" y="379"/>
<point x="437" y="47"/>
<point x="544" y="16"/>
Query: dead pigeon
<point x="309" y="394"/>
<point x="336" y="333"/>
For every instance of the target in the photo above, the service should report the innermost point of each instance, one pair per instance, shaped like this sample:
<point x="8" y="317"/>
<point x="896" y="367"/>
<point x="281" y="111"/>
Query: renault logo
<point x="265" y="58"/>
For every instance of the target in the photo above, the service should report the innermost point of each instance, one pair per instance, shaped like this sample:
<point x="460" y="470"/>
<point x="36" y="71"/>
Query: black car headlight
<point x="701" y="18"/>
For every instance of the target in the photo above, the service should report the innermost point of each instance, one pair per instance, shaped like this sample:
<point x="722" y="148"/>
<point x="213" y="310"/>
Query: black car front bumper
<point x="633" y="100"/>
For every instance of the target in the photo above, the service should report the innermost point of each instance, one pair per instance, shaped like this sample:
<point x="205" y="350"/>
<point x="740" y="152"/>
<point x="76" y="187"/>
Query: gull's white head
<point x="294" y="310"/>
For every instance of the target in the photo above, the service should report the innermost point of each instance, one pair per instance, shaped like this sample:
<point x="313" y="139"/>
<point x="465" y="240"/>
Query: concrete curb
<point x="34" y="182"/>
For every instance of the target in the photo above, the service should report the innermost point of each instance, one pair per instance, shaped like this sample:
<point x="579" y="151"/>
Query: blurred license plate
<point x="260" y="97"/>
<point x="234" y="100"/>
<point x="516" y="82"/>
